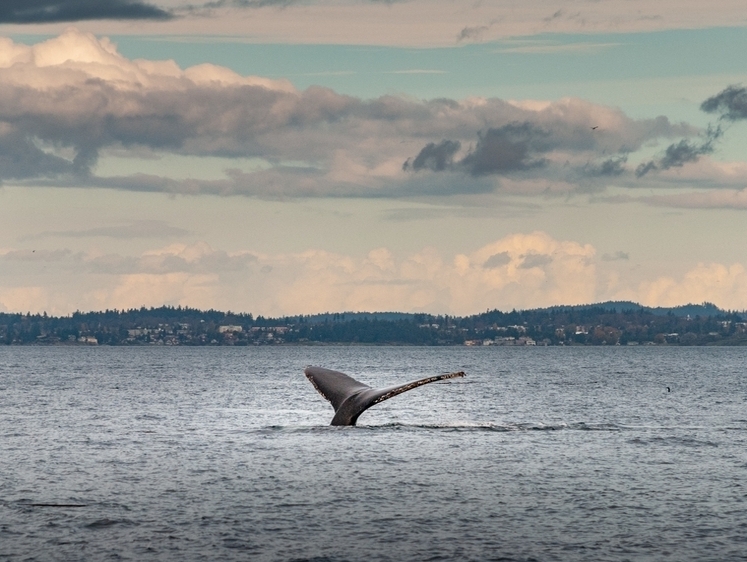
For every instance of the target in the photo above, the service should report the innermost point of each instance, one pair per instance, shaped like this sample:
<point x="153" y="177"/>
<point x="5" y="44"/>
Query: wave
<point x="471" y="426"/>
<point x="674" y="440"/>
<point x="450" y="426"/>
<point x="106" y="522"/>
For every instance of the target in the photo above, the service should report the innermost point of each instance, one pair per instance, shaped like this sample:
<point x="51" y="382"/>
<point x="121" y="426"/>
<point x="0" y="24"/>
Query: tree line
<point x="604" y="324"/>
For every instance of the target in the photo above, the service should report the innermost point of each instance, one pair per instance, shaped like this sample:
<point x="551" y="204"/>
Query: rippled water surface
<point x="225" y="454"/>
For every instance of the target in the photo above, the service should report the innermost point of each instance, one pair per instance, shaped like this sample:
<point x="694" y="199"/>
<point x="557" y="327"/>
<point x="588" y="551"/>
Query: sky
<point x="286" y="157"/>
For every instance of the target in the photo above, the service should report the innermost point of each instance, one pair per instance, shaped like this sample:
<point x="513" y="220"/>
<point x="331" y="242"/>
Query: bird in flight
<point x="595" y="127"/>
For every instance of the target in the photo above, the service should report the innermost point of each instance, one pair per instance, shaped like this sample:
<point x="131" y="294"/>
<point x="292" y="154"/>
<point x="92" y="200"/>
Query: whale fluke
<point x="350" y="398"/>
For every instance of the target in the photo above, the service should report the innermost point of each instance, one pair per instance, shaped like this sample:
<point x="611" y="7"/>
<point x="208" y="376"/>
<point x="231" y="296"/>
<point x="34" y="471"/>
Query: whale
<point x="350" y="398"/>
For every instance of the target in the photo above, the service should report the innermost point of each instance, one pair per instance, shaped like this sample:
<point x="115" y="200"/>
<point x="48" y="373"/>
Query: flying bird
<point x="351" y="398"/>
<point x="595" y="127"/>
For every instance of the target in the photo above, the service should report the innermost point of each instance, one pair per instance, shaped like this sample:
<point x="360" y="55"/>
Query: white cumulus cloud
<point x="522" y="270"/>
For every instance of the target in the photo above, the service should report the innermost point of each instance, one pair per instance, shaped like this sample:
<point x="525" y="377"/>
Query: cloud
<point x="474" y="33"/>
<point x="176" y="258"/>
<point x="561" y="48"/>
<point x="610" y="167"/>
<point x="522" y="270"/>
<point x="445" y="22"/>
<point x="547" y="141"/>
<point x="730" y="103"/>
<point x="724" y="285"/>
<point x="535" y="260"/>
<point x="171" y="289"/>
<point x="682" y="152"/>
<point x="715" y="199"/>
<point x="135" y="229"/>
<point x="41" y="256"/>
<point x="50" y="11"/>
<point x="490" y="276"/>
<point x="23" y="298"/>
<point x="678" y="154"/>
<point x="436" y="157"/>
<point x="556" y="144"/>
<point x="198" y="258"/>
<point x="20" y="158"/>
<point x="705" y="173"/>
<point x="69" y="101"/>
<point x="312" y="281"/>
<point x="256" y="3"/>
<point x="497" y="260"/>
<point x="210" y="7"/>
<point x="506" y="149"/>
<point x="468" y="208"/>
<point x="617" y="256"/>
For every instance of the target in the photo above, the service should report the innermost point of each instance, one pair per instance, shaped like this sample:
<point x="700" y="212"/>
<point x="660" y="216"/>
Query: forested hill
<point x="705" y="309"/>
<point x="609" y="323"/>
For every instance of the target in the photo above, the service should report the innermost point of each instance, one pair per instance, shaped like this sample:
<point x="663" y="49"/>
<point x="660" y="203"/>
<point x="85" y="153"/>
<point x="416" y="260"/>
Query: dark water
<point x="225" y="454"/>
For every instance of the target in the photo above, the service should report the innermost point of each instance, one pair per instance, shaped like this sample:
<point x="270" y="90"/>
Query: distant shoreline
<point x="604" y="324"/>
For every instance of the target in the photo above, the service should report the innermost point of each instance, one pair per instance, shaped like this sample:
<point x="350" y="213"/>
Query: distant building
<point x="504" y="341"/>
<point x="224" y="329"/>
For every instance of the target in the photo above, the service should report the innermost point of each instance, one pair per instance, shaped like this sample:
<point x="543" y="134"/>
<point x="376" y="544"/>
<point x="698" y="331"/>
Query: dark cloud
<point x="730" y="103"/>
<point x="678" y="154"/>
<point x="682" y="152"/>
<point x="506" y="149"/>
<point x="49" y="11"/>
<point x="21" y="158"/>
<point x="644" y="168"/>
<point x="556" y="15"/>
<point x="436" y="157"/>
<point x="535" y="260"/>
<point x="617" y="256"/>
<point x="510" y="148"/>
<point x="472" y="33"/>
<point x="529" y="146"/>
<point x="497" y="260"/>
<point x="611" y="167"/>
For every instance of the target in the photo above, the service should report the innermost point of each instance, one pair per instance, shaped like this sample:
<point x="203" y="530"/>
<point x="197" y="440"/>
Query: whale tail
<point x="350" y="398"/>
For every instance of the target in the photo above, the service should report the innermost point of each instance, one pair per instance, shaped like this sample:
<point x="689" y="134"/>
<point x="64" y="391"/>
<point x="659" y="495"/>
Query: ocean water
<point x="226" y="454"/>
